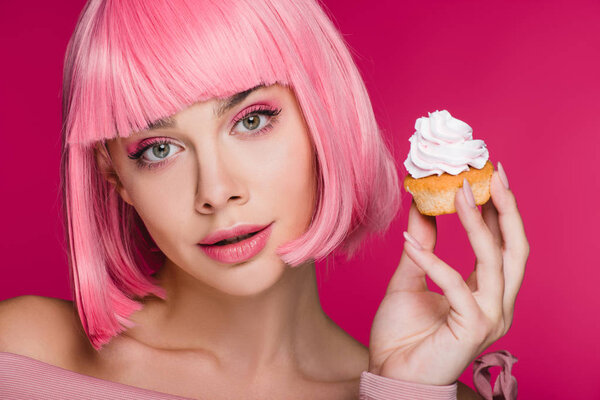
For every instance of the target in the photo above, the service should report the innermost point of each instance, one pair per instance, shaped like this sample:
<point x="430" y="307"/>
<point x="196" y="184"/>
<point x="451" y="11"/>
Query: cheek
<point x="159" y="198"/>
<point x="297" y="179"/>
<point x="288" y="178"/>
<point x="153" y="193"/>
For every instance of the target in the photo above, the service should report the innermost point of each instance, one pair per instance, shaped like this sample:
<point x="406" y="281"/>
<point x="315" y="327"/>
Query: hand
<point x="421" y="336"/>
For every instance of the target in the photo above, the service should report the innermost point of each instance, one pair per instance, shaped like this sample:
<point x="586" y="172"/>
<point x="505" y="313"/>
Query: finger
<point x="447" y="278"/>
<point x="516" y="246"/>
<point x="422" y="227"/>
<point x="490" y="217"/>
<point x="472" y="279"/>
<point x="408" y="275"/>
<point x="490" y="278"/>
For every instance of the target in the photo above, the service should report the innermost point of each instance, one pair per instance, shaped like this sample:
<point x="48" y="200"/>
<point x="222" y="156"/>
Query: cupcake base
<point x="434" y="195"/>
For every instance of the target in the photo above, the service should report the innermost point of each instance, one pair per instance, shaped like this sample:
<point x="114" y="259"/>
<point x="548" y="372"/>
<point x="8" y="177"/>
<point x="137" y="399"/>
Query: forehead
<point x="219" y="106"/>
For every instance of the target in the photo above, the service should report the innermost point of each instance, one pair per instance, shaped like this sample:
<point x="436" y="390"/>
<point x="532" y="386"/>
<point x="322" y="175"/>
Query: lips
<point x="236" y="245"/>
<point x="229" y="234"/>
<point x="233" y="240"/>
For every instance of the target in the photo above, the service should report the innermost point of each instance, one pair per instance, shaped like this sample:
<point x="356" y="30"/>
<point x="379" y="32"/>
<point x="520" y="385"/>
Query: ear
<point x="108" y="171"/>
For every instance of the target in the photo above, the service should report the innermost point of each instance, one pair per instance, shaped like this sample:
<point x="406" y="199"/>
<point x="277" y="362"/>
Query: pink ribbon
<point x="505" y="386"/>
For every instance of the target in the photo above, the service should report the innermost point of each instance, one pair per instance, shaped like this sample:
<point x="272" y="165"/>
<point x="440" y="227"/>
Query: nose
<point x="218" y="184"/>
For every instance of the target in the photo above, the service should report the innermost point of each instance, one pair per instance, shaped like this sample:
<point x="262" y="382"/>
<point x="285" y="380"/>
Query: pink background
<point x="523" y="74"/>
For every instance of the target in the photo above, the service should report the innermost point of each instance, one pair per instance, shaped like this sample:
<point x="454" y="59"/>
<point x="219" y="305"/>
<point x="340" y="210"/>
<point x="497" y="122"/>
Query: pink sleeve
<point x="375" y="387"/>
<point x="505" y="385"/>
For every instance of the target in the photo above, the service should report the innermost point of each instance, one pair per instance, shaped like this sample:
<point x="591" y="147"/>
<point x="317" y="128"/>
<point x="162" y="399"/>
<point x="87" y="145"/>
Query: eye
<point x="256" y="119"/>
<point x="159" y="151"/>
<point x="252" y="122"/>
<point x="154" y="152"/>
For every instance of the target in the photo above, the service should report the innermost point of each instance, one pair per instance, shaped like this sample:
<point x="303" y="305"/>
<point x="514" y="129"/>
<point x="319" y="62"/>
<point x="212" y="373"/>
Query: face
<point x="252" y="163"/>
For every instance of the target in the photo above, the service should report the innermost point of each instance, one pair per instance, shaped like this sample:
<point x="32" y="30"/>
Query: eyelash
<point x="148" y="144"/>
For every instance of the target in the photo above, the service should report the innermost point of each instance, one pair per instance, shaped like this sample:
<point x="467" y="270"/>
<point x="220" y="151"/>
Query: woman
<point x="212" y="150"/>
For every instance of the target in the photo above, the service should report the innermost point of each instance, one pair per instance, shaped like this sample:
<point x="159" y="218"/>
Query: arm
<point x="424" y="337"/>
<point x="464" y="392"/>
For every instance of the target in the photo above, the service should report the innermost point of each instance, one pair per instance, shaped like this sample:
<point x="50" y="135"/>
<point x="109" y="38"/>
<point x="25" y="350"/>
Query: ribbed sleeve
<point x="375" y="387"/>
<point x="24" y="378"/>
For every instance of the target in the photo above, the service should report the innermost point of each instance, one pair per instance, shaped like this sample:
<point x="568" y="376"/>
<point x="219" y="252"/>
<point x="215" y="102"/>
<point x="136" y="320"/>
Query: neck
<point x="245" y="334"/>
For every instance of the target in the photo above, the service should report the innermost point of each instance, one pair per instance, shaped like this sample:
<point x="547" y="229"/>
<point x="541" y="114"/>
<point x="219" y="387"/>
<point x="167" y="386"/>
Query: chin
<point x="250" y="278"/>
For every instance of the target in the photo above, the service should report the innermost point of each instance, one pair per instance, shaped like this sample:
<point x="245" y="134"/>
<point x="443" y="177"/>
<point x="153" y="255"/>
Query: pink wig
<point x="132" y="62"/>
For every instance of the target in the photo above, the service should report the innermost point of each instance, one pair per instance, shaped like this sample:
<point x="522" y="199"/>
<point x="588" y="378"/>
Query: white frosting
<point x="442" y="143"/>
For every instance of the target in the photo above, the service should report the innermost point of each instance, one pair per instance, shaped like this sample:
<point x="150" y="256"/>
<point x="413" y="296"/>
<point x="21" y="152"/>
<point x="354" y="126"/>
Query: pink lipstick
<point x="236" y="245"/>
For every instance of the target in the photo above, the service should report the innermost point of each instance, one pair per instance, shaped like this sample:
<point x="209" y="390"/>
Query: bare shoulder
<point x="464" y="392"/>
<point x="43" y="328"/>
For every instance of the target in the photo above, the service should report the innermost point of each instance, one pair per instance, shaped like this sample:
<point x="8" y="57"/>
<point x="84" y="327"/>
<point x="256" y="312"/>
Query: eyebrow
<point x="222" y="107"/>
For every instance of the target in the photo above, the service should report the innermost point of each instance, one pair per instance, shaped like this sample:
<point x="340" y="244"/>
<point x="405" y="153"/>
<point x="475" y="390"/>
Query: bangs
<point x="138" y="61"/>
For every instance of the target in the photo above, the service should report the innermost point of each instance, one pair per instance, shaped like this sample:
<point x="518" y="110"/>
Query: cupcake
<point x="442" y="154"/>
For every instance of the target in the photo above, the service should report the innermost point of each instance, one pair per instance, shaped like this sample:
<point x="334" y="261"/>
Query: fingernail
<point x="502" y="175"/>
<point x="412" y="241"/>
<point x="468" y="193"/>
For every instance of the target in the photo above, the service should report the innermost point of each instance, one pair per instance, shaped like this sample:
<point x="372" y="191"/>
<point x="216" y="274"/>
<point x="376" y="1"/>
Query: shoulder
<point x="43" y="328"/>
